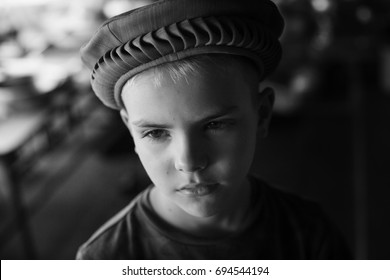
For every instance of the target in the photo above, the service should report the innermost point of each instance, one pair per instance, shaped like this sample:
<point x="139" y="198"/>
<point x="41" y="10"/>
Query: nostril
<point x="189" y="154"/>
<point x="190" y="166"/>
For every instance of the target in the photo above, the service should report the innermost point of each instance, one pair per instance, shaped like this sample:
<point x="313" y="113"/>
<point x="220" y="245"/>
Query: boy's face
<point x="196" y="139"/>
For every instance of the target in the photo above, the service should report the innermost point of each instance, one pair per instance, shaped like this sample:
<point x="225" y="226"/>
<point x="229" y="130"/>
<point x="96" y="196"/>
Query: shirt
<point x="286" y="227"/>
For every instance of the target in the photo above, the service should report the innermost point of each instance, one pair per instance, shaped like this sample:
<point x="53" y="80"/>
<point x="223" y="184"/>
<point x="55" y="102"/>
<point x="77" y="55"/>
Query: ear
<point x="264" y="110"/>
<point x="125" y="119"/>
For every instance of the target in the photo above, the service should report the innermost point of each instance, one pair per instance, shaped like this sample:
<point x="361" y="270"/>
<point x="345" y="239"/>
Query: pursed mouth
<point x="199" y="189"/>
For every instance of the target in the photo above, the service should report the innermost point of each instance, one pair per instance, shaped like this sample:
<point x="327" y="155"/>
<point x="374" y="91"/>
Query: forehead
<point x="206" y="64"/>
<point x="193" y="94"/>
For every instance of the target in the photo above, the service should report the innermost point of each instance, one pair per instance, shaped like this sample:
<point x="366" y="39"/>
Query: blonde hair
<point x="185" y="68"/>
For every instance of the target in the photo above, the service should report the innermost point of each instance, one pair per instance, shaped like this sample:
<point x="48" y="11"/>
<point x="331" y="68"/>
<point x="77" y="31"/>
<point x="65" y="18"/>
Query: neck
<point x="231" y="220"/>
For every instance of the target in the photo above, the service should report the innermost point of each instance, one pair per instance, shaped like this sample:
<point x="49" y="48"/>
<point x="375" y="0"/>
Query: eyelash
<point x="213" y="126"/>
<point x="217" y="125"/>
<point x="161" y="134"/>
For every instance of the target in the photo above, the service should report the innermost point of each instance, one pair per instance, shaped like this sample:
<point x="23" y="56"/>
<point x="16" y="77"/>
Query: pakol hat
<point x="169" y="30"/>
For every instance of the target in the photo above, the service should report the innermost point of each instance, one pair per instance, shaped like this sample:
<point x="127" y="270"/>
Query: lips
<point x="200" y="189"/>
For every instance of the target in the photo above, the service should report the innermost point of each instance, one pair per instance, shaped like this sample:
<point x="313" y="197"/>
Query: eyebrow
<point x="210" y="116"/>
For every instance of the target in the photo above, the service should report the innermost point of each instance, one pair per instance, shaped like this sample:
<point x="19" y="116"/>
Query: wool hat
<point x="170" y="30"/>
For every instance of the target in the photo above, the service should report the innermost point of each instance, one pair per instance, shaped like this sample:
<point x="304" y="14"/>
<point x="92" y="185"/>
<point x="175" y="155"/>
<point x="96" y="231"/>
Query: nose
<point x="190" y="155"/>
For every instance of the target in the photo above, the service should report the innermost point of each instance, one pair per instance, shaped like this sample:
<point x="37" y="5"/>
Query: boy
<point x="184" y="75"/>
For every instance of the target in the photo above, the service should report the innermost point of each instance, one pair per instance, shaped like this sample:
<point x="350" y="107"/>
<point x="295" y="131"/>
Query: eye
<point x="156" y="134"/>
<point x="218" y="125"/>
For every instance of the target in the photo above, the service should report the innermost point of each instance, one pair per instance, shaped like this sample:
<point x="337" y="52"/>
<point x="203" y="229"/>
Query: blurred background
<point x="67" y="162"/>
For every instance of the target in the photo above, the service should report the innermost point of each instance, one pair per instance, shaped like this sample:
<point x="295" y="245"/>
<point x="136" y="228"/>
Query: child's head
<point x="185" y="76"/>
<point x="197" y="121"/>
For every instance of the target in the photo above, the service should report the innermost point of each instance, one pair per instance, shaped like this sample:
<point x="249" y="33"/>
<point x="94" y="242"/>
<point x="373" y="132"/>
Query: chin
<point x="201" y="211"/>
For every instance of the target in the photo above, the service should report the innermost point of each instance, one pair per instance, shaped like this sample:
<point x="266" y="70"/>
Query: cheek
<point x="153" y="160"/>
<point x="236" y="152"/>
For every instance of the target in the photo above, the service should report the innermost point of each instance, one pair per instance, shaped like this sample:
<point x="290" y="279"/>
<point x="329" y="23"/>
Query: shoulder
<point x="301" y="220"/>
<point x="113" y="239"/>
<point x="278" y="201"/>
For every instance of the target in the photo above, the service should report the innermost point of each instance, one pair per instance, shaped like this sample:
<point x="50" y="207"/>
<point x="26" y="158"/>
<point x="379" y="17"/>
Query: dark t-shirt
<point x="286" y="227"/>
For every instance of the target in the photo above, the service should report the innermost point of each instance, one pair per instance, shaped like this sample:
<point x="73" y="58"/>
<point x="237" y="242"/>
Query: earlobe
<point x="267" y="98"/>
